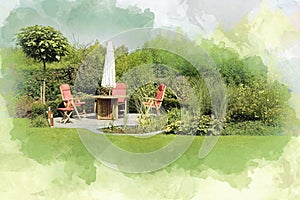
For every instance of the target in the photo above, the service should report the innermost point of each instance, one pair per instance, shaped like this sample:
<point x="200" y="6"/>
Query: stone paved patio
<point x="92" y="123"/>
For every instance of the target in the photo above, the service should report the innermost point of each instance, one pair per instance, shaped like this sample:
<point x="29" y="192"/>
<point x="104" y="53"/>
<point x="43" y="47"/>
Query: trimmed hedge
<point x="33" y="78"/>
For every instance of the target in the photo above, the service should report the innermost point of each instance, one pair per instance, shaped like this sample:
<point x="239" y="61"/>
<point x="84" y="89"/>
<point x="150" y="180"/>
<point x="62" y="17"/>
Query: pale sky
<point x="206" y="15"/>
<point x="6" y="7"/>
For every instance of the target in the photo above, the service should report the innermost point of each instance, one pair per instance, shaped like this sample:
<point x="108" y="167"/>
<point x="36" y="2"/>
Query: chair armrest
<point x="153" y="99"/>
<point x="149" y="98"/>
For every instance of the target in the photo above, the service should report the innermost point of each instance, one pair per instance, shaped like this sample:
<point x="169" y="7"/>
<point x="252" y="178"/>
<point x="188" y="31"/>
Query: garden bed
<point x="129" y="130"/>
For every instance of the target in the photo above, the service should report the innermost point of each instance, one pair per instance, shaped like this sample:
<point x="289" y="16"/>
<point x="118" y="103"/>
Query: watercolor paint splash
<point x="267" y="31"/>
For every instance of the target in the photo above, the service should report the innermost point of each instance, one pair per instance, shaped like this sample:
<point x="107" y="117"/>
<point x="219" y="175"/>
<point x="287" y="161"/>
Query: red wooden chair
<point x="157" y="101"/>
<point x="70" y="103"/>
<point x="120" y="89"/>
<point x="66" y="111"/>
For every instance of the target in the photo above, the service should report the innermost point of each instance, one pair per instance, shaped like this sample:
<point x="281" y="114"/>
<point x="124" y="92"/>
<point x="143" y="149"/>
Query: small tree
<point x="44" y="44"/>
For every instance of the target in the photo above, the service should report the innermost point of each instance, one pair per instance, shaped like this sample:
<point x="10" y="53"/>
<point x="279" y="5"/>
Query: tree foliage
<point x="43" y="43"/>
<point x="90" y="71"/>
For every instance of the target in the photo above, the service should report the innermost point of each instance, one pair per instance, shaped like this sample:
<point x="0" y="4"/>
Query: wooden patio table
<point x="107" y="106"/>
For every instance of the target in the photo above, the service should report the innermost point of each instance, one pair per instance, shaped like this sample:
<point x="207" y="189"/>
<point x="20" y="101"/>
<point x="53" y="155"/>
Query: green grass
<point x="48" y="145"/>
<point x="231" y="154"/>
<point x="140" y="144"/>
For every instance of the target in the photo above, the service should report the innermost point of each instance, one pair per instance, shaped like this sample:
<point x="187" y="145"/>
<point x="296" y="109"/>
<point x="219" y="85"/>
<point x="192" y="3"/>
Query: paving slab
<point x="92" y="123"/>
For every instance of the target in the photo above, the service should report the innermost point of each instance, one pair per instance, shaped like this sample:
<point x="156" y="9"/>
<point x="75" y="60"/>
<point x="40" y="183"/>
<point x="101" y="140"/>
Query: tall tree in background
<point x="44" y="44"/>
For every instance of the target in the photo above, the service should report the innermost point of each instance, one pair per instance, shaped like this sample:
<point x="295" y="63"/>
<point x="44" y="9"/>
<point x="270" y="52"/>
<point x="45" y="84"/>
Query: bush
<point x="90" y="71"/>
<point x="54" y="105"/>
<point x="259" y="101"/>
<point x="39" y="115"/>
<point x="183" y="122"/>
<point x="39" y="121"/>
<point x="149" y="123"/>
<point x="23" y="106"/>
<point x="32" y="81"/>
<point x="206" y="125"/>
<point x="251" y="128"/>
<point x="38" y="109"/>
<point x="173" y="121"/>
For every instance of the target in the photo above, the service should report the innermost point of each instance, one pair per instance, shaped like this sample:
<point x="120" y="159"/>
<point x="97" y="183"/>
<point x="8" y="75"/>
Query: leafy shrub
<point x="251" y="128"/>
<point x="260" y="101"/>
<point x="38" y="109"/>
<point x="206" y="125"/>
<point x="183" y="122"/>
<point x="233" y="69"/>
<point x="39" y="121"/>
<point x="32" y="81"/>
<point x="39" y="115"/>
<point x="173" y="121"/>
<point x="150" y="90"/>
<point x="54" y="105"/>
<point x="148" y="123"/>
<point x="90" y="71"/>
<point x="23" y="106"/>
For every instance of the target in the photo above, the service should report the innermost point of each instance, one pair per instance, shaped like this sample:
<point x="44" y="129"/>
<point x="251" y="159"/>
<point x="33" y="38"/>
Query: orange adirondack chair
<point x="70" y="103"/>
<point x="157" y="101"/>
<point x="120" y="89"/>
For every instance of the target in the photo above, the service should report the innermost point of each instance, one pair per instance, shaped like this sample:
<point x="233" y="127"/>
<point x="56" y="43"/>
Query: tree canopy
<point x="43" y="43"/>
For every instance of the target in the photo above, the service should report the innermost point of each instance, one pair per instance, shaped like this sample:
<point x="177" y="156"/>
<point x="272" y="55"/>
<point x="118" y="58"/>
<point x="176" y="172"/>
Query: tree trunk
<point x="44" y="84"/>
<point x="41" y="94"/>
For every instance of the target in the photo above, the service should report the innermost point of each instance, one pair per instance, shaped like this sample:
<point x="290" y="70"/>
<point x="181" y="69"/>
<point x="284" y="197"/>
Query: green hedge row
<point x="33" y="79"/>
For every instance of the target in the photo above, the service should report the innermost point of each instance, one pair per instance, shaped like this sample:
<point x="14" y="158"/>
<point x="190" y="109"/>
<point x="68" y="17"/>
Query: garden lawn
<point x="231" y="154"/>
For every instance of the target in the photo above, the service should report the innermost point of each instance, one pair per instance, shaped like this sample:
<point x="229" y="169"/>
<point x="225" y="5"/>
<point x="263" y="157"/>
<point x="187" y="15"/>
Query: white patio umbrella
<point x="109" y="71"/>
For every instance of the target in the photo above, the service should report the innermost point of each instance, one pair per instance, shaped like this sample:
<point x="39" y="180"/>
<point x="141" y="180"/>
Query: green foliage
<point x="54" y="105"/>
<point x="90" y="71"/>
<point x="15" y="58"/>
<point x="39" y="122"/>
<point x="233" y="69"/>
<point x="126" y="62"/>
<point x="38" y="115"/>
<point x="148" y="123"/>
<point x="38" y="109"/>
<point x="149" y="90"/>
<point x="23" y="106"/>
<point x="251" y="97"/>
<point x="30" y="85"/>
<point x="179" y="122"/>
<point x="252" y="128"/>
<point x="44" y="44"/>
<point x="173" y="121"/>
<point x="135" y="102"/>
<point x="259" y="101"/>
<point x="184" y="122"/>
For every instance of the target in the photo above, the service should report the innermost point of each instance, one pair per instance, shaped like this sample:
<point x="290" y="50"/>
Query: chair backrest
<point x="160" y="94"/>
<point x="66" y="92"/>
<point x="120" y="89"/>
